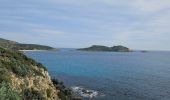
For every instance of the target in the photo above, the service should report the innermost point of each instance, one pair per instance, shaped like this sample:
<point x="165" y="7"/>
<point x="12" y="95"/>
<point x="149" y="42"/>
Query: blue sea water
<point x="115" y="75"/>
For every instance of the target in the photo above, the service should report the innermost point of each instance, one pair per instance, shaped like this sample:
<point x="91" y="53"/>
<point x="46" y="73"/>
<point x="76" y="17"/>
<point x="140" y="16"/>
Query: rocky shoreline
<point x="85" y="92"/>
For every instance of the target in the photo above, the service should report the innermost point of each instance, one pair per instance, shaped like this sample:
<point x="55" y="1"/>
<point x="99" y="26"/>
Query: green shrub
<point x="55" y="81"/>
<point x="18" y="63"/>
<point x="19" y="69"/>
<point x="30" y="94"/>
<point x="65" y="93"/>
<point x="4" y="75"/>
<point x="62" y="96"/>
<point x="48" y="91"/>
<point x="7" y="93"/>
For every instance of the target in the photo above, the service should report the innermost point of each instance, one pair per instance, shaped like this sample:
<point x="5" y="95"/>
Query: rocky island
<point x="19" y="46"/>
<point x="118" y="48"/>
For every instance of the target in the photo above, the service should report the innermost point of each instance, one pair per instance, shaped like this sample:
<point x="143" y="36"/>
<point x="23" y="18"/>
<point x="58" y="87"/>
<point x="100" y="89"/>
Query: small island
<point x="118" y="48"/>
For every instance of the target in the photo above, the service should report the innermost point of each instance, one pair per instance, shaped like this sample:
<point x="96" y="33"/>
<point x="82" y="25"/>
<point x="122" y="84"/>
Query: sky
<point x="137" y="24"/>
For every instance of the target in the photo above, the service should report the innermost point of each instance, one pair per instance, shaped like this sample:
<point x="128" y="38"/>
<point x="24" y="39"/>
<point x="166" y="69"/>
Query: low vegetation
<point x="7" y="93"/>
<point x="18" y="63"/>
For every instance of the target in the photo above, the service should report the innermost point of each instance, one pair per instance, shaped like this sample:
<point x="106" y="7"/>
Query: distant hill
<point x="118" y="48"/>
<point x="19" y="46"/>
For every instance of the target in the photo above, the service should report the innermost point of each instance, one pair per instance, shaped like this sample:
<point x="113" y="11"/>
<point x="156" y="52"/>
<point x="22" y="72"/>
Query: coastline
<point x="34" y="50"/>
<point x="37" y="50"/>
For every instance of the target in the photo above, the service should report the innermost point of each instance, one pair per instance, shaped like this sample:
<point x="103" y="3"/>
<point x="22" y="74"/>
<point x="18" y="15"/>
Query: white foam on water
<point x="87" y="93"/>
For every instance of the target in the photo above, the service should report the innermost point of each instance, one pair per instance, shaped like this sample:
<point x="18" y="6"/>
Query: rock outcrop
<point x="21" y="78"/>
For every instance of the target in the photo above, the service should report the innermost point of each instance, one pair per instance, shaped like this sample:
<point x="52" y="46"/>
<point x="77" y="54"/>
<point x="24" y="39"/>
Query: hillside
<point x="21" y="78"/>
<point x="118" y="48"/>
<point x="18" y="46"/>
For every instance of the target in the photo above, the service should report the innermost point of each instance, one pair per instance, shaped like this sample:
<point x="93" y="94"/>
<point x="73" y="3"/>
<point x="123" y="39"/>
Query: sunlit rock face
<point x="24" y="78"/>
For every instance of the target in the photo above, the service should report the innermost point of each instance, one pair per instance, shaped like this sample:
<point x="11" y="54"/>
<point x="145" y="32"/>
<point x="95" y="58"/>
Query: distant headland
<point x="12" y="45"/>
<point x="118" y="48"/>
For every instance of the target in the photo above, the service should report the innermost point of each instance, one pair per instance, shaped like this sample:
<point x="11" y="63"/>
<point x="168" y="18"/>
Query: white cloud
<point x="150" y="5"/>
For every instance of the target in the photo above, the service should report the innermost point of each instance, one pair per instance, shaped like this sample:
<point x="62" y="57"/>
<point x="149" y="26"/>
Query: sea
<point x="110" y="75"/>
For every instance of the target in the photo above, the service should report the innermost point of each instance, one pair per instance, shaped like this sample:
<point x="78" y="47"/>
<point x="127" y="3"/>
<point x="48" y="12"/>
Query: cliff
<point x="118" y="48"/>
<point x="21" y="78"/>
